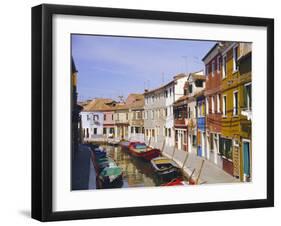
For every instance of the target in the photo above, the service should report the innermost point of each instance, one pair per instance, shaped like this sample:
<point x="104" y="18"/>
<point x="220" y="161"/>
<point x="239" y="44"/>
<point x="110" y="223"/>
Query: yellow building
<point x="235" y="143"/>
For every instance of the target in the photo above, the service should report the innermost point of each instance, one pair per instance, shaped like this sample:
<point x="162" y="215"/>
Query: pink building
<point x="108" y="123"/>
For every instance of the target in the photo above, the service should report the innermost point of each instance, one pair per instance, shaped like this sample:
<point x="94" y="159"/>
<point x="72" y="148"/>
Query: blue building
<point x="201" y="124"/>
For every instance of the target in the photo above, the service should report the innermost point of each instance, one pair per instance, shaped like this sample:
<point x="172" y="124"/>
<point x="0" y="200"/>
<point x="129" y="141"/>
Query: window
<point x="248" y="96"/>
<point x="104" y="117"/>
<point x="212" y="141"/>
<point x="218" y="103"/>
<point x="127" y="116"/>
<point x="224" y="66"/>
<point x="207" y="70"/>
<point x="137" y="129"/>
<point x="87" y="134"/>
<point x="218" y="64"/>
<point x="139" y="115"/>
<point x="235" y="103"/>
<point x="132" y="129"/>
<point x="224" y="106"/>
<point x="96" y="117"/>
<point x="112" y="116"/>
<point x="199" y="83"/>
<point x="190" y="88"/>
<point x="207" y="106"/>
<point x="225" y="148"/>
<point x="95" y="131"/>
<point x="235" y="58"/>
<point x="169" y="132"/>
<point x="166" y="93"/>
<point x="104" y="131"/>
<point x="170" y="92"/>
<point x="185" y="137"/>
<point x="111" y="130"/>
<point x="213" y="104"/>
<point x="194" y="140"/>
<point x="213" y="68"/>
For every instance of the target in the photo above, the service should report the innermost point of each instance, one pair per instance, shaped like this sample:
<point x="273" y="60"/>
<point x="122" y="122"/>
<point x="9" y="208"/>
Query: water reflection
<point x="136" y="172"/>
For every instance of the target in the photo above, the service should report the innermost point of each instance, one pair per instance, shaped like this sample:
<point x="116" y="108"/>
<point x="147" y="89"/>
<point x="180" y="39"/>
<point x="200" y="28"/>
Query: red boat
<point x="141" y="150"/>
<point x="126" y="145"/>
<point x="177" y="181"/>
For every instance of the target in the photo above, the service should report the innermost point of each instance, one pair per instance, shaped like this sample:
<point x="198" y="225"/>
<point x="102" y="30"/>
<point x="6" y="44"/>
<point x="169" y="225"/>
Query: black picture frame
<point x="42" y="111"/>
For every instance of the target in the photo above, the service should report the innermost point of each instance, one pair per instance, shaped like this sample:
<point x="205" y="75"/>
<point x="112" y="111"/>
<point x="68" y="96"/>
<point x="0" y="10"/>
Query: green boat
<point x="110" y="177"/>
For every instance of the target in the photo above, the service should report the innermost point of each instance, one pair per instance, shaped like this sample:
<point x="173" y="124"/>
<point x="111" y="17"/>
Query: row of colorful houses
<point x="103" y="118"/>
<point x="207" y="113"/>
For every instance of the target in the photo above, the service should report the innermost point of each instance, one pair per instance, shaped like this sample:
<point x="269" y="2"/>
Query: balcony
<point x="247" y="112"/>
<point x="180" y="121"/>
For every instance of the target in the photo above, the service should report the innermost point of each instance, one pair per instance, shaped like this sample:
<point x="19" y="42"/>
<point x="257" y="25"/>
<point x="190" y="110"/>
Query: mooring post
<point x="163" y="146"/>
<point x="174" y="152"/>
<point x="149" y="141"/>
<point x="199" y="174"/>
<point x="185" y="159"/>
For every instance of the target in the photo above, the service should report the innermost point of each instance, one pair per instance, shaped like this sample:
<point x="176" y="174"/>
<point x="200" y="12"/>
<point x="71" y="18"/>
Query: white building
<point x="92" y="125"/>
<point x="154" y="116"/>
<point x="195" y="84"/>
<point x="159" y="112"/>
<point x="173" y="91"/>
<point x="92" y="119"/>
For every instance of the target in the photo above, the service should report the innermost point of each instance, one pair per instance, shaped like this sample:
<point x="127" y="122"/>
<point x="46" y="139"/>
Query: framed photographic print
<point x="145" y="112"/>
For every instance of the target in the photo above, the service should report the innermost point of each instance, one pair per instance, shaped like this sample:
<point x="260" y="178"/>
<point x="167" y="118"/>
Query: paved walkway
<point x="81" y="168"/>
<point x="210" y="173"/>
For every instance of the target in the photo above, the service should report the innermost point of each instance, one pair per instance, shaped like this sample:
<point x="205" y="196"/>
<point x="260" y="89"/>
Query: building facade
<point x="136" y="118"/>
<point x="155" y="116"/>
<point x="180" y="124"/>
<point x="108" y="124"/>
<point x="75" y="130"/>
<point x="235" y="145"/>
<point x="213" y="71"/>
<point x="96" y="119"/>
<point x="201" y="125"/>
<point x="121" y="118"/>
<point x="173" y="91"/>
<point x="92" y="124"/>
<point x="194" y="85"/>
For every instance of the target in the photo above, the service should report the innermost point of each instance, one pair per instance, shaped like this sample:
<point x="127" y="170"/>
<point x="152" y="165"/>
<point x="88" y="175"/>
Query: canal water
<point x="136" y="172"/>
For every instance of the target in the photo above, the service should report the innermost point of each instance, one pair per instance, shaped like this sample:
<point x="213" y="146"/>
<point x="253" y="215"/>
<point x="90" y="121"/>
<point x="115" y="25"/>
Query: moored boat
<point x="126" y="145"/>
<point x="175" y="182"/>
<point x="165" y="168"/>
<point x="109" y="175"/>
<point x="141" y="150"/>
<point x="113" y="141"/>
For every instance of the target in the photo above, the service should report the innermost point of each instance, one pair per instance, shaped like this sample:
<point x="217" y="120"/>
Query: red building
<point x="213" y="69"/>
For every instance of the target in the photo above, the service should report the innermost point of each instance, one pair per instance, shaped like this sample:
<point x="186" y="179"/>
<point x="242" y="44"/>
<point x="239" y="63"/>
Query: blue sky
<point x="113" y="66"/>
